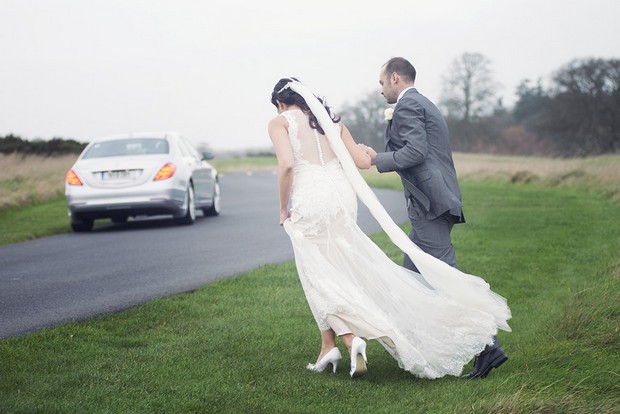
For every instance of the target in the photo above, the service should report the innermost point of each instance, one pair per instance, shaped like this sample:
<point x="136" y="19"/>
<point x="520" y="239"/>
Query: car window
<point x="184" y="151"/>
<point x="127" y="147"/>
<point x="187" y="149"/>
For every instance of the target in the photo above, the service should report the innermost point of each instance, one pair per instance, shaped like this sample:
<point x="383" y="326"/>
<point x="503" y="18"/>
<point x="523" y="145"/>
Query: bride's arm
<point x="278" y="133"/>
<point x="361" y="154"/>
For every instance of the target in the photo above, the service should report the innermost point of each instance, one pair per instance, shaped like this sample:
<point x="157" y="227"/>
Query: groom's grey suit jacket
<point x="418" y="149"/>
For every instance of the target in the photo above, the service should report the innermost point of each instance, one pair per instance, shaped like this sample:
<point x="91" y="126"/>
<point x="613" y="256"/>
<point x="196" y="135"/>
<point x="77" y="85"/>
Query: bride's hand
<point x="284" y="215"/>
<point x="373" y="155"/>
<point x="368" y="150"/>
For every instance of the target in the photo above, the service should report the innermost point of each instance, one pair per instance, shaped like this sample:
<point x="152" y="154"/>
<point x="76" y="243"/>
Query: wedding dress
<point x="432" y="324"/>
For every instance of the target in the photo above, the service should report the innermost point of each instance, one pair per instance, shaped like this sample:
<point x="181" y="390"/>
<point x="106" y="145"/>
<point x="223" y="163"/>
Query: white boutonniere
<point x="389" y="112"/>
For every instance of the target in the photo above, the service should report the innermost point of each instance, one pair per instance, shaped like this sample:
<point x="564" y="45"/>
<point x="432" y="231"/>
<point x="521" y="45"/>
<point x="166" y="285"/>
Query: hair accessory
<point x="288" y="85"/>
<point x="283" y="88"/>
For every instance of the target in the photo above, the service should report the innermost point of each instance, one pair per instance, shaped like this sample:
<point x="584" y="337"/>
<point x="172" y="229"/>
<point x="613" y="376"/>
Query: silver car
<point x="123" y="176"/>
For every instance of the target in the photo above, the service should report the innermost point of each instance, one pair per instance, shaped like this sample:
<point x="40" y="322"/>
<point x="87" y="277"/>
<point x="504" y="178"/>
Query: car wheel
<point x="82" y="225"/>
<point x="216" y="207"/>
<point x="190" y="212"/>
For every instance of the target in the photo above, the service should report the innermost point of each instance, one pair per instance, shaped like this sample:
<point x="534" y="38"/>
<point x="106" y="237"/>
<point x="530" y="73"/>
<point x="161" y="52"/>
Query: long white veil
<point x="463" y="288"/>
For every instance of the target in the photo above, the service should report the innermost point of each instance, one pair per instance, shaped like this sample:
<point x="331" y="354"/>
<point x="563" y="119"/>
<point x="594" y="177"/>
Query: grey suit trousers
<point x="432" y="236"/>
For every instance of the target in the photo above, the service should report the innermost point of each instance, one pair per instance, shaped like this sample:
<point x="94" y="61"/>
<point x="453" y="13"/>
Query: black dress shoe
<point x="491" y="357"/>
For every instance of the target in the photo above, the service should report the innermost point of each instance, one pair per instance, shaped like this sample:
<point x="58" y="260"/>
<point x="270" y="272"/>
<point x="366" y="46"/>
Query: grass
<point x="33" y="186"/>
<point x="600" y="174"/>
<point x="31" y="179"/>
<point x="32" y="222"/>
<point x="245" y="163"/>
<point x="240" y="345"/>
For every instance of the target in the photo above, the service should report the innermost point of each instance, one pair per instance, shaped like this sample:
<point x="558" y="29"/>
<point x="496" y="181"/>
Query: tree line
<point x="12" y="144"/>
<point x="577" y="114"/>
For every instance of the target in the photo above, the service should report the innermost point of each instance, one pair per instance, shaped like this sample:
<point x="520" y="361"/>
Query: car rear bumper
<point x="104" y="206"/>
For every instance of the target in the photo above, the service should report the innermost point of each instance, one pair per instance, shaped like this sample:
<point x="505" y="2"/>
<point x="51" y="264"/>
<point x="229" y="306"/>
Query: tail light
<point x="72" y="178"/>
<point x="165" y="172"/>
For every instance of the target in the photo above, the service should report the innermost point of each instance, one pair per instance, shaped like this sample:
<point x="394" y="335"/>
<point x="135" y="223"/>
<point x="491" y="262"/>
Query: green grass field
<point x="241" y="345"/>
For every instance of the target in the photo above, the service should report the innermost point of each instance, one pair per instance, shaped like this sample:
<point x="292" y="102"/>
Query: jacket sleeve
<point x="410" y="131"/>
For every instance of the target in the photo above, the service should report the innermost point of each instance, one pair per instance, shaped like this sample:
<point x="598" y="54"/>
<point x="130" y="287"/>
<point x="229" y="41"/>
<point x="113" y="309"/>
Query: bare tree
<point x="469" y="90"/>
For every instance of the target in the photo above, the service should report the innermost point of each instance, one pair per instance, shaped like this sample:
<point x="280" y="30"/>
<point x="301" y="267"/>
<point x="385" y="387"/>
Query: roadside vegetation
<point x="543" y="232"/>
<point x="32" y="179"/>
<point x="32" y="187"/>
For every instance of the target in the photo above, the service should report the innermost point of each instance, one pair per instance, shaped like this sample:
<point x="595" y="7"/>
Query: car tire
<point x="80" y="226"/>
<point x="190" y="212"/>
<point x="216" y="207"/>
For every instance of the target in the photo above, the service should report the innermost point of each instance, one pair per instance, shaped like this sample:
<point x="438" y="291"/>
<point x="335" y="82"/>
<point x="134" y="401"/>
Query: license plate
<point x="119" y="175"/>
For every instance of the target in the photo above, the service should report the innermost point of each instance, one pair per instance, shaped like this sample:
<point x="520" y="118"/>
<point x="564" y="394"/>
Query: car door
<point x="201" y="172"/>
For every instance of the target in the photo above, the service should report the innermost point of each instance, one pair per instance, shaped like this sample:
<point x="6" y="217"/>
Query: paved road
<point x="75" y="276"/>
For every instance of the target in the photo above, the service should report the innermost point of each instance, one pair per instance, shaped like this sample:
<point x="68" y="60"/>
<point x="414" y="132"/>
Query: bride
<point x="433" y="322"/>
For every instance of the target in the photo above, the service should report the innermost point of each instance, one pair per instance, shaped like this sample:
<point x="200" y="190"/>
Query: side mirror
<point x="207" y="155"/>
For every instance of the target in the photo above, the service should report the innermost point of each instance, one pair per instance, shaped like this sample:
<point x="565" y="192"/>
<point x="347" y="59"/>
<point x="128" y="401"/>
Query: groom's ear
<point x="394" y="77"/>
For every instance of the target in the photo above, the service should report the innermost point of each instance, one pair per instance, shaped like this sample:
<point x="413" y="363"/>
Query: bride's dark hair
<point x="289" y="97"/>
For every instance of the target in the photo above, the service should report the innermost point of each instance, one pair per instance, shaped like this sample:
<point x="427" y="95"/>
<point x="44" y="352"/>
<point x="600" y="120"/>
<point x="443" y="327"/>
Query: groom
<point x="418" y="149"/>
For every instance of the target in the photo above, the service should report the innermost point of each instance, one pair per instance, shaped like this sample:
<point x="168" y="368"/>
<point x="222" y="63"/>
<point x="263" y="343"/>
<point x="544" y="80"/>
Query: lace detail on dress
<point x="292" y="133"/>
<point x="321" y="191"/>
<point x="309" y="147"/>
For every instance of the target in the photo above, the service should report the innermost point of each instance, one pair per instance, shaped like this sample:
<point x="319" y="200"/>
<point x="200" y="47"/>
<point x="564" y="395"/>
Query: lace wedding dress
<point x="353" y="287"/>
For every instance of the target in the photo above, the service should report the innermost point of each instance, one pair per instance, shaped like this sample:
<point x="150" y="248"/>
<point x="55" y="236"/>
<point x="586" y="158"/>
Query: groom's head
<point x="396" y="75"/>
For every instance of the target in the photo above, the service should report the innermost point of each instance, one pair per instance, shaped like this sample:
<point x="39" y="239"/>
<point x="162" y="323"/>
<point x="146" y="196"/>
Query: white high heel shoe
<point x="331" y="358"/>
<point x="358" y="358"/>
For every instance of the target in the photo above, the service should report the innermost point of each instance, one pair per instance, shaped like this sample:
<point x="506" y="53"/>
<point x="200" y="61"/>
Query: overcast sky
<point x="87" y="68"/>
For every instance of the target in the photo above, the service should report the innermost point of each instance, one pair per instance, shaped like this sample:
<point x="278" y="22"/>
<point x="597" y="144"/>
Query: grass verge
<point x="240" y="345"/>
<point x="32" y="222"/>
<point x="31" y="179"/>
<point x="28" y="184"/>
